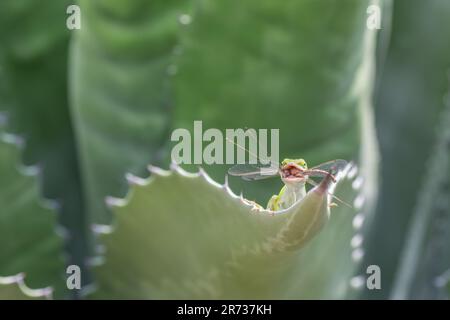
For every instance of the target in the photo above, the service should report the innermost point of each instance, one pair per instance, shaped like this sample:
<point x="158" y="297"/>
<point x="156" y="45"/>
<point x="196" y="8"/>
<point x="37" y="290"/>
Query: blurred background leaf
<point x="119" y="91"/>
<point x="425" y="261"/>
<point x="408" y="103"/>
<point x="212" y="246"/>
<point x="27" y="224"/>
<point x="33" y="93"/>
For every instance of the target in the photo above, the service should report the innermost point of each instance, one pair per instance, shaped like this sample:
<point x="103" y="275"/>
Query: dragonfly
<point x="294" y="173"/>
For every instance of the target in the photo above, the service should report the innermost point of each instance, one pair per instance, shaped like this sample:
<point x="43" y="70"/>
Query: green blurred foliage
<point x="425" y="260"/>
<point x="28" y="236"/>
<point x="410" y="97"/>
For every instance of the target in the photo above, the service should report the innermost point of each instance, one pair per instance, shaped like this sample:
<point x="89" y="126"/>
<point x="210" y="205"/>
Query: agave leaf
<point x="183" y="236"/>
<point x="33" y="93"/>
<point x="27" y="224"/>
<point x="448" y="287"/>
<point x="425" y="261"/>
<point x="119" y="92"/>
<point x="408" y="104"/>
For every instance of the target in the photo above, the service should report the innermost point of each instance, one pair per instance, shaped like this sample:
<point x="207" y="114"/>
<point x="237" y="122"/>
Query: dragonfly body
<point x="294" y="173"/>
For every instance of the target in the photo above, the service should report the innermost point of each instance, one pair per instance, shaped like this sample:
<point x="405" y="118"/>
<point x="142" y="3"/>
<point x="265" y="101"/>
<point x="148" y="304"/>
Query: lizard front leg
<point x="273" y="203"/>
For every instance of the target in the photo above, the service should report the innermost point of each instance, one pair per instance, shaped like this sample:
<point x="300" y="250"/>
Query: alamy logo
<point x="190" y="149"/>
<point x="374" y="17"/>
<point x="374" y="278"/>
<point x="74" y="277"/>
<point x="73" y="22"/>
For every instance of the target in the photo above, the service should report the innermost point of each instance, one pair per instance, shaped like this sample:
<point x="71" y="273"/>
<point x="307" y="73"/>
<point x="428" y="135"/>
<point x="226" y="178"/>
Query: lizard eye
<point x="302" y="163"/>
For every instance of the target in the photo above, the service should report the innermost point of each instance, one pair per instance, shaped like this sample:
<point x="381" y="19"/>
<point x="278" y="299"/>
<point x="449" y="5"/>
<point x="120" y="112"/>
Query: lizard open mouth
<point x="292" y="172"/>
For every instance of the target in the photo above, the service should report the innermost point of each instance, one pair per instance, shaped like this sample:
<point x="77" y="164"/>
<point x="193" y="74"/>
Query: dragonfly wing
<point x="257" y="177"/>
<point x="333" y="166"/>
<point x="253" y="172"/>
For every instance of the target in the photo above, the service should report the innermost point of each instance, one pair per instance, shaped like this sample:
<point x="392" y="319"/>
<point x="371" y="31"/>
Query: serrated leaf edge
<point x="19" y="280"/>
